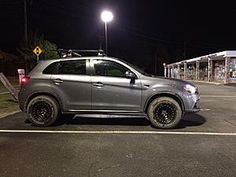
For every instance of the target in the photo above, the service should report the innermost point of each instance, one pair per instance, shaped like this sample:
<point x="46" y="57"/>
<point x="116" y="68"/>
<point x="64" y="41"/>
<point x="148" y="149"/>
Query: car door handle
<point x="58" y="81"/>
<point x="98" y="84"/>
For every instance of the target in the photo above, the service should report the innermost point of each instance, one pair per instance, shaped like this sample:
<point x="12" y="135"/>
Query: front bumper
<point x="192" y="103"/>
<point x="196" y="107"/>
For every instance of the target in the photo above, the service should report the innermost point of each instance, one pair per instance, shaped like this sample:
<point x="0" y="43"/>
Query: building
<point x="216" y="67"/>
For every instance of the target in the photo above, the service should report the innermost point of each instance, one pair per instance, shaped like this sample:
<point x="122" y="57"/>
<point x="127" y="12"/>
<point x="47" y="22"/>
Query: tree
<point x="26" y="50"/>
<point x="49" y="49"/>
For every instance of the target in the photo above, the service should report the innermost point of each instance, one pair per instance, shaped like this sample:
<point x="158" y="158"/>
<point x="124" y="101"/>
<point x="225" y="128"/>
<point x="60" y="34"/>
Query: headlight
<point x="191" y="89"/>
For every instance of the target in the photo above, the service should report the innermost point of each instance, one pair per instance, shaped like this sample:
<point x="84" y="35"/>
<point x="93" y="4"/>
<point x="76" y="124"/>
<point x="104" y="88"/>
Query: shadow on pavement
<point x="191" y="120"/>
<point x="231" y="84"/>
<point x="106" y="121"/>
<point x="188" y="121"/>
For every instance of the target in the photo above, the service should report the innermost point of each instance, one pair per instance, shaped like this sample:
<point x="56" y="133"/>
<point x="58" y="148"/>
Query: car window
<point x="109" y="68"/>
<point x="77" y="67"/>
<point x="52" y="68"/>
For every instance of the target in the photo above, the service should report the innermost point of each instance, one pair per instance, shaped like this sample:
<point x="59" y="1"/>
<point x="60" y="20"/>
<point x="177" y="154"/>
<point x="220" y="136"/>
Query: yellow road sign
<point x="37" y="50"/>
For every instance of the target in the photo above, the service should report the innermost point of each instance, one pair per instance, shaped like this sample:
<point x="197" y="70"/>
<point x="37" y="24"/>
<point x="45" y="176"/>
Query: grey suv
<point x="103" y="85"/>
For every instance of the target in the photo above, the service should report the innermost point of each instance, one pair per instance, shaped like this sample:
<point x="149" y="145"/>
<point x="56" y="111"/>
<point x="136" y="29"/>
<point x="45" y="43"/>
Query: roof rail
<point x="65" y="53"/>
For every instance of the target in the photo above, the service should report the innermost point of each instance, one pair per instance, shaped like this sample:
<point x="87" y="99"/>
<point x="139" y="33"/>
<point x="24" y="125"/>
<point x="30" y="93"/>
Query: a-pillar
<point x="178" y="71"/>
<point x="197" y="70"/>
<point x="227" y="73"/>
<point x="185" y="71"/>
<point x="209" y="69"/>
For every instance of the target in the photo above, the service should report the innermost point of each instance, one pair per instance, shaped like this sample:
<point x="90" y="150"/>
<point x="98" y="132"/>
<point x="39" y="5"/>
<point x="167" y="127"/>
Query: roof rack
<point x="65" y="53"/>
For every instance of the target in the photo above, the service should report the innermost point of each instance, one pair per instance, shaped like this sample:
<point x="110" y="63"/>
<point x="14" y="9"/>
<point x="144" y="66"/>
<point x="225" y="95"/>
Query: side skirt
<point x="107" y="113"/>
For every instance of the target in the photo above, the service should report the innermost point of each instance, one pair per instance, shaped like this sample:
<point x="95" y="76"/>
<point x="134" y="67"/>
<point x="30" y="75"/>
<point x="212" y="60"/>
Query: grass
<point x="7" y="104"/>
<point x="13" y="80"/>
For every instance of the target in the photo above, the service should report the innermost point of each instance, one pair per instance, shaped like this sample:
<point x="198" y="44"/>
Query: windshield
<point x="136" y="68"/>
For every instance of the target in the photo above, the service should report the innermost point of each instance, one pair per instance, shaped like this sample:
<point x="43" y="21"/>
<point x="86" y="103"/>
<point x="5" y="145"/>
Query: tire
<point x="43" y="111"/>
<point x="164" y="112"/>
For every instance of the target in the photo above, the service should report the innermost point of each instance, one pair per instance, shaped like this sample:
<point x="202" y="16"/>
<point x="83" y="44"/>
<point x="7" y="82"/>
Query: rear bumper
<point x="22" y="100"/>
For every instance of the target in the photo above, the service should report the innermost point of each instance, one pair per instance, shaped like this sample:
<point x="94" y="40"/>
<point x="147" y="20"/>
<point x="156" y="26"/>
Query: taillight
<point x="25" y="80"/>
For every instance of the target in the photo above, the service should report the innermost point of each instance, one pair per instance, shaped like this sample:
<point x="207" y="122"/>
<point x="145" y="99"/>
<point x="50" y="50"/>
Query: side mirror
<point x="130" y="75"/>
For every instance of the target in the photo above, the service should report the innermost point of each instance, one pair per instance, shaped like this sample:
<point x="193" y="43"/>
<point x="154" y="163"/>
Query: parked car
<point x="101" y="84"/>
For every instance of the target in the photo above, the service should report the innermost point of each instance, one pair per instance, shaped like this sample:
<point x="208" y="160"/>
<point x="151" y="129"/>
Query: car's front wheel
<point x="164" y="112"/>
<point x="43" y="111"/>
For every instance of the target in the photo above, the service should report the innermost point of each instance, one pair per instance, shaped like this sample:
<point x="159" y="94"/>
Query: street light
<point x="106" y="17"/>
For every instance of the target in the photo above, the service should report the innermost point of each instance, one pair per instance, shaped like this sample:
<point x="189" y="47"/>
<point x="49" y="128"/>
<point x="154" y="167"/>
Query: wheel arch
<point x="43" y="94"/>
<point x="168" y="94"/>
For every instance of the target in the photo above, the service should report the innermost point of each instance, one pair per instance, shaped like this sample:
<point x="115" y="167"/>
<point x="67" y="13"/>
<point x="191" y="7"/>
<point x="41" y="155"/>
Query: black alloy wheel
<point x="165" y="113"/>
<point x="43" y="111"/>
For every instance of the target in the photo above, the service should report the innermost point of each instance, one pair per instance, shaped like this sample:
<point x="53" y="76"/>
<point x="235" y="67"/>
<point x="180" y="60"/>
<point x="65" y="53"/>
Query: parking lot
<point x="204" y="144"/>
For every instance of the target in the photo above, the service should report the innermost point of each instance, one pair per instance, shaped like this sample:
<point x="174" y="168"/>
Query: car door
<point x="72" y="83"/>
<point x="111" y="90"/>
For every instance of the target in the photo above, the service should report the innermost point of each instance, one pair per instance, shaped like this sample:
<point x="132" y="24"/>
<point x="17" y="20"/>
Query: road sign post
<point x="37" y="51"/>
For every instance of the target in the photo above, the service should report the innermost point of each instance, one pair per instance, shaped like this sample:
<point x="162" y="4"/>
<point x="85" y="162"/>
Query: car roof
<point x="81" y="58"/>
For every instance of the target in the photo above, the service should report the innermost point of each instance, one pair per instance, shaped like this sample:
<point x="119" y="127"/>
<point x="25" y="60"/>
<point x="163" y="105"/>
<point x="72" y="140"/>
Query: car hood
<point x="168" y="81"/>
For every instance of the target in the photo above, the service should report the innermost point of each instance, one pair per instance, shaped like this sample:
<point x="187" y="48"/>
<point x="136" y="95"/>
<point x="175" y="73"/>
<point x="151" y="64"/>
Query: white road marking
<point x="205" y="109"/>
<point x="116" y="132"/>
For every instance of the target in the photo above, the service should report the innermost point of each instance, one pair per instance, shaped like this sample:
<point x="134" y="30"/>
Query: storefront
<point x="217" y="67"/>
<point x="232" y="69"/>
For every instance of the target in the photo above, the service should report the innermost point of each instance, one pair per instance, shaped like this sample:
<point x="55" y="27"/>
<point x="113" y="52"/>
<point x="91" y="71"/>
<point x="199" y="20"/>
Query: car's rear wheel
<point x="164" y="112"/>
<point x="43" y="111"/>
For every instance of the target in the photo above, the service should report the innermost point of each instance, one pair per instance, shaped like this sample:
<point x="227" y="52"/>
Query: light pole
<point x="106" y="17"/>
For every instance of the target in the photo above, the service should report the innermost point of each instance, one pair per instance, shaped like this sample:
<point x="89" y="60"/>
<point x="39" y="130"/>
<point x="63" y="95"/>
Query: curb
<point x="8" y="114"/>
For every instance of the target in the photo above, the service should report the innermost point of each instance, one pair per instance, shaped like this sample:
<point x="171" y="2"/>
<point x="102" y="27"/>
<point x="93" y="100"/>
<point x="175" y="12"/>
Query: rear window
<point x="52" y="68"/>
<point x="75" y="67"/>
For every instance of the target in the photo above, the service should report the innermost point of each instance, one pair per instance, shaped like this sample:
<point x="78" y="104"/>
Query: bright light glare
<point x="191" y="89"/>
<point x="106" y="16"/>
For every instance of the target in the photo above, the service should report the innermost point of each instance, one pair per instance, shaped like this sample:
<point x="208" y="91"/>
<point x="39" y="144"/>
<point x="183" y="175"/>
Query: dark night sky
<point x="140" y="29"/>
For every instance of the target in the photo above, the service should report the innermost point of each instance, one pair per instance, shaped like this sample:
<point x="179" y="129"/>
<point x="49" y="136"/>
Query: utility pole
<point x="25" y="22"/>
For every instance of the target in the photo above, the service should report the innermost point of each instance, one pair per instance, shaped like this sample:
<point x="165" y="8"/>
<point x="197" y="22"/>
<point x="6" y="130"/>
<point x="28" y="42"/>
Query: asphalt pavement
<point x="204" y="144"/>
